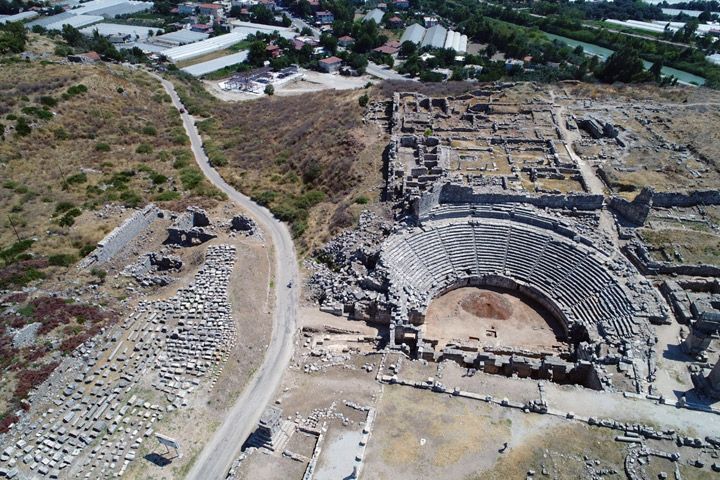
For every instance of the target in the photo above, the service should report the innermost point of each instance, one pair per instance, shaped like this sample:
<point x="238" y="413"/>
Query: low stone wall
<point x="638" y="210"/>
<point x="451" y="193"/>
<point x="639" y="255"/>
<point x="686" y="199"/>
<point x="116" y="240"/>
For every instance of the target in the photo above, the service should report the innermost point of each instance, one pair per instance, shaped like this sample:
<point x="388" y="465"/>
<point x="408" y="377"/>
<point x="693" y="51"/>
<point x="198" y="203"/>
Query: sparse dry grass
<point x="89" y="152"/>
<point x="298" y="154"/>
<point x="696" y="247"/>
<point x="572" y="441"/>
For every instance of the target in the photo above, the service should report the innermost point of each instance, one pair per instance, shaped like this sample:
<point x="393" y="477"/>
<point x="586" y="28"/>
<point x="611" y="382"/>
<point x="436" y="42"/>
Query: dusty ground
<point x="493" y="317"/>
<point x="249" y="297"/>
<point x="424" y="435"/>
<point x="309" y="82"/>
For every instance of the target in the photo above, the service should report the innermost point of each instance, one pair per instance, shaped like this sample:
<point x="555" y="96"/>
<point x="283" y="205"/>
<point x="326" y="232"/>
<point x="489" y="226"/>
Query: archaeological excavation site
<point x="528" y="288"/>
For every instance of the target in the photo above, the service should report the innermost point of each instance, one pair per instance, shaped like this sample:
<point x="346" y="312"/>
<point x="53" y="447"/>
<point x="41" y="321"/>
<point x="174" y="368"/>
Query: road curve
<point x="224" y="446"/>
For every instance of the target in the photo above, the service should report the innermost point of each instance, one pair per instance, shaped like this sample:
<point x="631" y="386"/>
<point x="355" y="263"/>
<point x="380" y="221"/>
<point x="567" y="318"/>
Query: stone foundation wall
<point x="453" y="194"/>
<point x="639" y="255"/>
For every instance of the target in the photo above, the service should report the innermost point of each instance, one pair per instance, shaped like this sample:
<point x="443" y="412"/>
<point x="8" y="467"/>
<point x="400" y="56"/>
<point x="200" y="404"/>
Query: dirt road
<point x="215" y="459"/>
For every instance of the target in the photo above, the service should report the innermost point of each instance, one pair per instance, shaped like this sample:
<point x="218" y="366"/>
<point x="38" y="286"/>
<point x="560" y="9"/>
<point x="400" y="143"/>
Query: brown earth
<point x="491" y="317"/>
<point x="487" y="305"/>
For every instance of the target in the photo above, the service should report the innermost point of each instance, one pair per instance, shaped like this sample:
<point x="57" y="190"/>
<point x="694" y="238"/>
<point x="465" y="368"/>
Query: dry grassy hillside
<point x="74" y="139"/>
<point x="77" y="137"/>
<point x="310" y="158"/>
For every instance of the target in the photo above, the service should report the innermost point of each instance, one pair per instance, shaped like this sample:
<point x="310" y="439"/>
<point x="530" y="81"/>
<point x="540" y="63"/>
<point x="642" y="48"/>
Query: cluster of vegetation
<point x="78" y="42"/>
<point x="13" y="38"/>
<point x="683" y="58"/>
<point x="260" y="14"/>
<point x="618" y="9"/>
<point x="299" y="153"/>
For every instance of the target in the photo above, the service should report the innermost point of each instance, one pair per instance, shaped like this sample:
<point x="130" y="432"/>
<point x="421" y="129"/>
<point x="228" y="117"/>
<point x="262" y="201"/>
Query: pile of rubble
<point x="344" y="270"/>
<point x="146" y="270"/>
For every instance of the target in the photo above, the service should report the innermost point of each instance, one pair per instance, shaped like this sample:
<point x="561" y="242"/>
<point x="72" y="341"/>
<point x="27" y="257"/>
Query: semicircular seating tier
<point x="574" y="280"/>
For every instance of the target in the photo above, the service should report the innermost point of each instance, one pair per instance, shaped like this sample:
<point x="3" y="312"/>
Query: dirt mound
<point x="487" y="305"/>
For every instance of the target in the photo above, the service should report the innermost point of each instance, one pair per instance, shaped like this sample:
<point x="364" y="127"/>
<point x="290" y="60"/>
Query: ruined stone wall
<point x="122" y="235"/>
<point x="638" y="210"/>
<point x="639" y="255"/>
<point x="454" y="193"/>
<point x="686" y="199"/>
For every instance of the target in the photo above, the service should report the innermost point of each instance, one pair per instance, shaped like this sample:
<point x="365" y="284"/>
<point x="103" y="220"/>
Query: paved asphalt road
<point x="224" y="447"/>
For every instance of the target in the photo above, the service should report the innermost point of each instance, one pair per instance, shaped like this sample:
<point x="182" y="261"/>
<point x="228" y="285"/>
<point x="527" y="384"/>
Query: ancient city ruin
<point x="517" y="280"/>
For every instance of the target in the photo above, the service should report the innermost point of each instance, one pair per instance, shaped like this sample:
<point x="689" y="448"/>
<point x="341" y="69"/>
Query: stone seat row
<point x="424" y="261"/>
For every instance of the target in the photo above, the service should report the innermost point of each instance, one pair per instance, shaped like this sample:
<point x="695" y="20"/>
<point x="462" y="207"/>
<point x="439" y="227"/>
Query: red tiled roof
<point x="210" y="5"/>
<point x="331" y="60"/>
<point x="92" y="55"/>
<point x="386" y="49"/>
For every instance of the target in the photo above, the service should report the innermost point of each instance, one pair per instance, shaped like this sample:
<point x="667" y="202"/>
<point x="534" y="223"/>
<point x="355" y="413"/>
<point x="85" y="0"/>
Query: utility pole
<point x="12" y="224"/>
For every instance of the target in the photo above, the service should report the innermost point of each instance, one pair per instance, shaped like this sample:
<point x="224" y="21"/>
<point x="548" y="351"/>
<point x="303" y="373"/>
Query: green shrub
<point x="60" y="134"/>
<point x="11" y="184"/>
<point x="22" y="127"/>
<point x="181" y="161"/>
<point x="312" y="173"/>
<point x="309" y="199"/>
<point x="130" y="198"/>
<point x="68" y="220"/>
<point x="158" y="178"/>
<point x="21" y="279"/>
<point x="190" y="177"/>
<point x="102" y="147"/>
<point x="13" y="252"/>
<point x="99" y="273"/>
<point x="179" y="137"/>
<point x="77" y="178"/>
<point x="217" y="159"/>
<point x="120" y="89"/>
<point x="77" y="89"/>
<point x="63" y="207"/>
<point x="48" y="101"/>
<point x="149" y="130"/>
<point x="167" y="196"/>
<point x="363" y="100"/>
<point x="63" y="51"/>
<point x="144" y="148"/>
<point x="86" y="249"/>
<point x="61" y="260"/>
<point x="362" y="200"/>
<point x="266" y="197"/>
<point x="73" y="212"/>
<point x="298" y="228"/>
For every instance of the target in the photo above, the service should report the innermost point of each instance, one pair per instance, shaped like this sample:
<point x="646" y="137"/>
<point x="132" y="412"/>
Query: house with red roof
<point x="330" y="64"/>
<point x="210" y="9"/>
